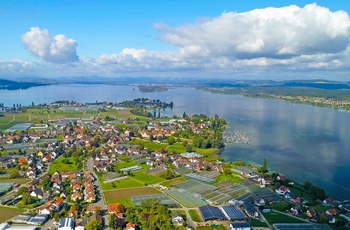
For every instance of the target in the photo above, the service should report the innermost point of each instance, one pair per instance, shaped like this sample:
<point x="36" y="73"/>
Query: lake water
<point x="299" y="141"/>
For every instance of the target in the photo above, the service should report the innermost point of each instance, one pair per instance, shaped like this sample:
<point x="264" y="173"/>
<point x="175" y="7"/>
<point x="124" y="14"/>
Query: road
<point x="101" y="201"/>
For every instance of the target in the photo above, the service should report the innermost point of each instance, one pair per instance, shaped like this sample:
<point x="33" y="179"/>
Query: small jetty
<point x="237" y="138"/>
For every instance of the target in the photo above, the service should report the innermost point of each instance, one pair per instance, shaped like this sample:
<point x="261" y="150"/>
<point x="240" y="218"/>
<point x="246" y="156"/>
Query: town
<point x="67" y="166"/>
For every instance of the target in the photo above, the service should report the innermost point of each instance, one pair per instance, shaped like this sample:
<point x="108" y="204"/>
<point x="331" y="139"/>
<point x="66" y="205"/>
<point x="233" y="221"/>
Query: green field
<point x="177" y="148"/>
<point x="59" y="166"/>
<point x="146" y="178"/>
<point x="274" y="217"/>
<point x="225" y="177"/>
<point x="124" y="201"/>
<point x="119" y="184"/>
<point x="194" y="215"/>
<point x="170" y="183"/>
<point x="154" y="146"/>
<point x="8" y="213"/>
<point x="256" y="223"/>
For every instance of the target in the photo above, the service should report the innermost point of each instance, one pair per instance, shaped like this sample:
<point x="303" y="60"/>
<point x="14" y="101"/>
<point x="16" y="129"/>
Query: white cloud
<point x="57" y="50"/>
<point x="270" y="32"/>
<point x="263" y="42"/>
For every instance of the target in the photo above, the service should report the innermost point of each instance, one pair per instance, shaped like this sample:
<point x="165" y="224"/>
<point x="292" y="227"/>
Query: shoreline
<point x="255" y="165"/>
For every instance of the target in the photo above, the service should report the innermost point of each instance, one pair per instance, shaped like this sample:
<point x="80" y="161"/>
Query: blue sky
<point x="176" y="38"/>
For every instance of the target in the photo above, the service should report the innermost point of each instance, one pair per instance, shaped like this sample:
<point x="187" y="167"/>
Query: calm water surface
<point x="300" y="141"/>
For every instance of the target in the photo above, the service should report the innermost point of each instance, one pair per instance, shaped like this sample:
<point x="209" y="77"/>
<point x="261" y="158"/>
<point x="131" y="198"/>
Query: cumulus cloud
<point x="58" y="49"/>
<point x="270" y="32"/>
<point x="290" y="40"/>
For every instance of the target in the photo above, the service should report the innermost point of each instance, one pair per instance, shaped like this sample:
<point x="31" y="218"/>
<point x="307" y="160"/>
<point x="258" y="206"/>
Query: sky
<point x="227" y="39"/>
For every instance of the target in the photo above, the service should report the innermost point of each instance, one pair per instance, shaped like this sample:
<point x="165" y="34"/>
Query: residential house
<point x="250" y="210"/>
<point x="37" y="192"/>
<point x="130" y="226"/>
<point x="258" y="200"/>
<point x="76" y="196"/>
<point x="115" y="209"/>
<point x="294" y="198"/>
<point x="177" y="219"/>
<point x="282" y="190"/>
<point x="311" y="213"/>
<point x="93" y="209"/>
<point x="332" y="212"/>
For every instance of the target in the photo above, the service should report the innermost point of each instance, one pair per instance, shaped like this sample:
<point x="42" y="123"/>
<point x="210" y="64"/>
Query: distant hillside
<point x="13" y="85"/>
<point x="318" y="84"/>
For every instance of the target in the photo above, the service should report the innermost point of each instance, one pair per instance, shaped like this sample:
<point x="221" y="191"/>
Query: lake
<point x="299" y="141"/>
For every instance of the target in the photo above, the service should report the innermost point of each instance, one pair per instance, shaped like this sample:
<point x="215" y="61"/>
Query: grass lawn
<point x="59" y="166"/>
<point x="225" y="177"/>
<point x="154" y="146"/>
<point x="280" y="206"/>
<point x="125" y="164"/>
<point x="170" y="183"/>
<point x="119" y="184"/>
<point x="182" y="212"/>
<point x="256" y="223"/>
<point x="274" y="217"/>
<point x="124" y="201"/>
<point x="177" y="147"/>
<point x="194" y="215"/>
<point x="146" y="178"/>
<point x="8" y="213"/>
<point x="127" y="193"/>
<point x="299" y="190"/>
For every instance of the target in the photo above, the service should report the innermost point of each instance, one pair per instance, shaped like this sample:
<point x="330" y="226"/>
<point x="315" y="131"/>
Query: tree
<point x="307" y="184"/>
<point x="26" y="198"/>
<point x="13" y="173"/>
<point x="115" y="222"/>
<point x="264" y="167"/>
<point x="189" y="148"/>
<point x="22" y="190"/>
<point x="93" y="225"/>
<point x="227" y="171"/>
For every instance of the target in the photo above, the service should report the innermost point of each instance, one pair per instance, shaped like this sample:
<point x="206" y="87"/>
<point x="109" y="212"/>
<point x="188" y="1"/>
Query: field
<point x="224" y="177"/>
<point x="121" y="184"/>
<point x="59" y="166"/>
<point x="154" y="146"/>
<point x="274" y="217"/>
<point x="194" y="215"/>
<point x="8" y="213"/>
<point x="256" y="223"/>
<point x="172" y="182"/>
<point x="37" y="115"/>
<point x="147" y="178"/>
<point x="16" y="180"/>
<point x="127" y="193"/>
<point x="124" y="201"/>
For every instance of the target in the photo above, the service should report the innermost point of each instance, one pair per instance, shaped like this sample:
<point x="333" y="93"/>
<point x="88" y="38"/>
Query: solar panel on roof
<point x="234" y="213"/>
<point x="211" y="212"/>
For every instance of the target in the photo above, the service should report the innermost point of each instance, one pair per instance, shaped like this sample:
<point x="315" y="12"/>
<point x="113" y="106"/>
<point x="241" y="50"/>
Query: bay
<point x="297" y="140"/>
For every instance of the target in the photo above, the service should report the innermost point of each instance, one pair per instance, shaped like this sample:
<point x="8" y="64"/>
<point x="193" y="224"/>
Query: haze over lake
<point x="299" y="141"/>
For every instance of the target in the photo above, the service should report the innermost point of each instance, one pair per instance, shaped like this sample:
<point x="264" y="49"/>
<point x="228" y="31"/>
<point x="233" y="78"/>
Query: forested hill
<point x="13" y="85"/>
